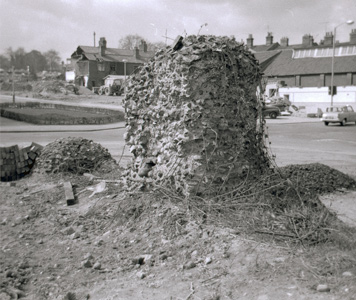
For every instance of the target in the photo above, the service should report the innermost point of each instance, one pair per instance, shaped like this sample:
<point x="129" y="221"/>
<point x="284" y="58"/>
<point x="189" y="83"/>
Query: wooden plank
<point x="68" y="192"/>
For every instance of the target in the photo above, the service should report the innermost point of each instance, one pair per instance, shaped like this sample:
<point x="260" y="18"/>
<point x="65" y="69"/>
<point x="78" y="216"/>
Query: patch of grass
<point x="57" y="116"/>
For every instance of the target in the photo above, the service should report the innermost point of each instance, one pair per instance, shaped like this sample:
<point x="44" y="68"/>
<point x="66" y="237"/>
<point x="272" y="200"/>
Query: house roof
<point x="261" y="48"/>
<point x="265" y="58"/>
<point x="284" y="65"/>
<point x="112" y="54"/>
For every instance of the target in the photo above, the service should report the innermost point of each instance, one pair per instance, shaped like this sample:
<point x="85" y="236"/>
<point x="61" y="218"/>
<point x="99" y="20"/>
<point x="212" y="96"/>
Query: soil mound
<point x="73" y="155"/>
<point x="318" y="178"/>
<point x="45" y="88"/>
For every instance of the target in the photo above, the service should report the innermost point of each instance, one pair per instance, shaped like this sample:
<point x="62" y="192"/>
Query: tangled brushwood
<point x="193" y="118"/>
<point x="195" y="130"/>
<point x="72" y="155"/>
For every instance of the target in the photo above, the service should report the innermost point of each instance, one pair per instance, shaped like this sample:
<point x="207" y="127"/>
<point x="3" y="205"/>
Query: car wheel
<point x="107" y="91"/>
<point x="100" y="92"/>
<point x="273" y="115"/>
<point x="343" y="122"/>
<point x="326" y="123"/>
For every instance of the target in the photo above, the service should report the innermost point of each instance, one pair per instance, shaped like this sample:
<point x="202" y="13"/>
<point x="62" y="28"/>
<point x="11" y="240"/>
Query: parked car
<point x="113" y="85"/>
<point x="280" y="102"/>
<point x="271" y="111"/>
<point x="339" y="114"/>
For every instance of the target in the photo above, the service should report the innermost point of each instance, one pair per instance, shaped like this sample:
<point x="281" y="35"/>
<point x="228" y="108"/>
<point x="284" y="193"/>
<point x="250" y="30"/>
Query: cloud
<point x="64" y="24"/>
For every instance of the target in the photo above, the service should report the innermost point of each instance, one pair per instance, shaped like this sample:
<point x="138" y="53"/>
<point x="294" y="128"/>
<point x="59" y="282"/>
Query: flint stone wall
<point x="193" y="118"/>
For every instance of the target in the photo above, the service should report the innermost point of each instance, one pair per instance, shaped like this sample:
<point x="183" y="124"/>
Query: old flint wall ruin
<point x="193" y="120"/>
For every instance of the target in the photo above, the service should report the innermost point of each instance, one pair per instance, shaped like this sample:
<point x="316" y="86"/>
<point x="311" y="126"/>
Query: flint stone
<point x="323" y="288"/>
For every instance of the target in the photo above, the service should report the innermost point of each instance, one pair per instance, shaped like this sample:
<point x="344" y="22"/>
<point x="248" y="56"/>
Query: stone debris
<point x="323" y="288"/>
<point x="68" y="231"/>
<point x="193" y="118"/>
<point x="208" y="260"/>
<point x="189" y="265"/>
<point x="72" y="155"/>
<point x="16" y="163"/>
<point x="97" y="266"/>
<point x="141" y="274"/>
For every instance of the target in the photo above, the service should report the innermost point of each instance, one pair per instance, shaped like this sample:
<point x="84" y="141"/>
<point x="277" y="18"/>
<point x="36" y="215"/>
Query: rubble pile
<point x="73" y="155"/>
<point x="318" y="178"/>
<point x="15" y="163"/>
<point x="44" y="88"/>
<point x="193" y="118"/>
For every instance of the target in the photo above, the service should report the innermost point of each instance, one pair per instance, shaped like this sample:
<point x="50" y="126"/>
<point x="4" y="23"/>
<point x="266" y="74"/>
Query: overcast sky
<point x="64" y="24"/>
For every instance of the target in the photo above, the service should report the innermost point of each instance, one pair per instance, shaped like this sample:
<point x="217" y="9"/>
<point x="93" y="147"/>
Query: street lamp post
<point x="349" y="22"/>
<point x="124" y="61"/>
<point x="13" y="84"/>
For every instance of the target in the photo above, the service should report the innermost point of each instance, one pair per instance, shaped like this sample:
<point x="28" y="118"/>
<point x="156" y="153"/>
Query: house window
<point x="325" y="52"/>
<point x="309" y="53"/>
<point x="101" y="67"/>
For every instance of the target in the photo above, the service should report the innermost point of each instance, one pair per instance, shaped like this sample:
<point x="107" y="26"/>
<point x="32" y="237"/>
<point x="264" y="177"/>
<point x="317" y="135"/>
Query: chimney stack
<point x="143" y="46"/>
<point x="269" y="39"/>
<point x="102" y="46"/>
<point x="136" y="52"/>
<point x="284" y="42"/>
<point x="249" y="41"/>
<point x="308" y="40"/>
<point x="328" y="39"/>
<point x="353" y="36"/>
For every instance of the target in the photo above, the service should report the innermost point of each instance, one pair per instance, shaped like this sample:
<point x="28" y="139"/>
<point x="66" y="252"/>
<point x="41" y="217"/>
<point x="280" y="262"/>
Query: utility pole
<point x="94" y="38"/>
<point x="13" y="85"/>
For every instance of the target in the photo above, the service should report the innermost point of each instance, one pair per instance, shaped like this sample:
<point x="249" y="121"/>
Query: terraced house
<point x="302" y="72"/>
<point x="89" y="65"/>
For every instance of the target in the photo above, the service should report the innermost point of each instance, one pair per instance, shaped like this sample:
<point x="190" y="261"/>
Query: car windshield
<point x="334" y="109"/>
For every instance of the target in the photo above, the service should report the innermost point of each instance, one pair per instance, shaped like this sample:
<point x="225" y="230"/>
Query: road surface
<point x="333" y="145"/>
<point x="295" y="143"/>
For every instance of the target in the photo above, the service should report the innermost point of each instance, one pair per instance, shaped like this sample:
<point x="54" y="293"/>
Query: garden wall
<point x="104" y="116"/>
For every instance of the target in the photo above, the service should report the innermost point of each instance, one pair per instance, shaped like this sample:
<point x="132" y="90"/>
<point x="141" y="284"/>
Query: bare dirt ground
<point x="115" y="244"/>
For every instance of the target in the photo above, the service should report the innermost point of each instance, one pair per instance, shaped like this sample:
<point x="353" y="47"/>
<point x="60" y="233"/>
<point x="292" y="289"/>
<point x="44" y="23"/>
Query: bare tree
<point x="53" y="59"/>
<point x="130" y="41"/>
<point x="134" y="40"/>
<point x="155" y="46"/>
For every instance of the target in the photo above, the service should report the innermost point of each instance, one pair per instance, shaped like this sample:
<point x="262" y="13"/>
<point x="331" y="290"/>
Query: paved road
<point x="112" y="139"/>
<point x="292" y="143"/>
<point x="332" y="145"/>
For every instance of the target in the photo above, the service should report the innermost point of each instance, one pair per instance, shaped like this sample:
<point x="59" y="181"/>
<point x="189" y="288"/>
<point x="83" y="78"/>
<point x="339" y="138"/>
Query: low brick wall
<point x="105" y="116"/>
<point x="15" y="163"/>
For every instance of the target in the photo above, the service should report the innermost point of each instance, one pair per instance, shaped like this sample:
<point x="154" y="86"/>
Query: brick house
<point x="91" y="64"/>
<point x="302" y="72"/>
